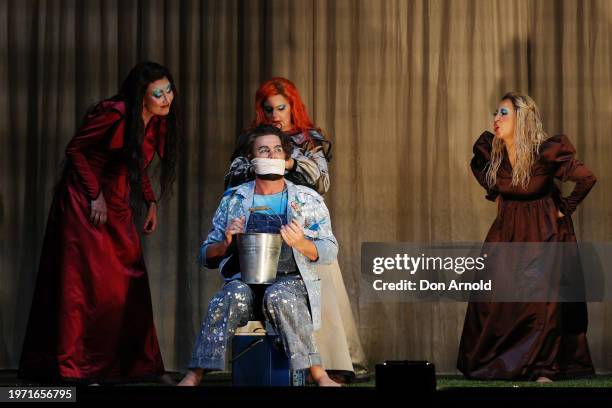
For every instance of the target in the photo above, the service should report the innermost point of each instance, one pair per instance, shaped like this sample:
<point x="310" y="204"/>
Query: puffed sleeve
<point x="310" y="167"/>
<point x="480" y="161"/>
<point x="559" y="153"/>
<point x="313" y="167"/>
<point x="98" y="124"/>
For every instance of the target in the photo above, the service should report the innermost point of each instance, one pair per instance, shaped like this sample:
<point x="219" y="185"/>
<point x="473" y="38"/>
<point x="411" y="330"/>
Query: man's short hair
<point x="265" y="130"/>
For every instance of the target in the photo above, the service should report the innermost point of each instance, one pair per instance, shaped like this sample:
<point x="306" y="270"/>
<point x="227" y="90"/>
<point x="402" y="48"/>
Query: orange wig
<point x="282" y="86"/>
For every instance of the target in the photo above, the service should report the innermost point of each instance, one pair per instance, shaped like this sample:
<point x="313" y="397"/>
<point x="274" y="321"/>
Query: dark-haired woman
<point x="91" y="318"/>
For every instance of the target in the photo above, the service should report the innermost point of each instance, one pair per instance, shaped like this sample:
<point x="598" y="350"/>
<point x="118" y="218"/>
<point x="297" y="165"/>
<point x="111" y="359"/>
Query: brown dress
<point x="529" y="340"/>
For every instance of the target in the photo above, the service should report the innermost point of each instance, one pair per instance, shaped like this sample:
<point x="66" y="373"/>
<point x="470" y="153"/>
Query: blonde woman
<point x="518" y="166"/>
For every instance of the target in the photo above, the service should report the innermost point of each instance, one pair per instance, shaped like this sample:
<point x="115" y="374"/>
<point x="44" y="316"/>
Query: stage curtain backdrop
<point x="403" y="88"/>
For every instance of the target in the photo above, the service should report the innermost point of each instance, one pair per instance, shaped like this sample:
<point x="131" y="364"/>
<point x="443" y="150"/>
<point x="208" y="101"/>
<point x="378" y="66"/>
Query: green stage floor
<point x="9" y="378"/>
<point x="448" y="381"/>
<point x="457" y="381"/>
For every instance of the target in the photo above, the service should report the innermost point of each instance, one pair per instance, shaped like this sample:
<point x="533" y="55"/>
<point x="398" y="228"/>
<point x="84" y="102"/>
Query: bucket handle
<point x="247" y="349"/>
<point x="266" y="208"/>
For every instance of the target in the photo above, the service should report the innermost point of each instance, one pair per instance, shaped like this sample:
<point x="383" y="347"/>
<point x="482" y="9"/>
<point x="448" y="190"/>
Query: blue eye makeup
<point x="158" y="93"/>
<point x="502" y="111"/>
<point x="270" y="109"/>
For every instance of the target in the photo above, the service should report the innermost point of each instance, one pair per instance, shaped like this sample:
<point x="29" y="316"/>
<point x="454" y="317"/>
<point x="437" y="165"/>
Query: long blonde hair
<point x="528" y="136"/>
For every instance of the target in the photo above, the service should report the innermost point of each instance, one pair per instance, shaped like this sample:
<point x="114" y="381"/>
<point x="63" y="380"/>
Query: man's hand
<point x="235" y="227"/>
<point x="98" y="215"/>
<point x="293" y="235"/>
<point x="150" y="224"/>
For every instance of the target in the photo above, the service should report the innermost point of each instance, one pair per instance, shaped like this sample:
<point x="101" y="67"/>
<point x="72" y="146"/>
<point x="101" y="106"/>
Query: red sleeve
<point x="96" y="126"/>
<point x="154" y="141"/>
<point x="480" y="161"/>
<point x="559" y="152"/>
<point x="147" y="190"/>
<point x="161" y="139"/>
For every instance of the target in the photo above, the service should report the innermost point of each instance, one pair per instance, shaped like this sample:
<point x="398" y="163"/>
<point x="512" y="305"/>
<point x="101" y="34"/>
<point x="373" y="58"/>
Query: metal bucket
<point x="258" y="253"/>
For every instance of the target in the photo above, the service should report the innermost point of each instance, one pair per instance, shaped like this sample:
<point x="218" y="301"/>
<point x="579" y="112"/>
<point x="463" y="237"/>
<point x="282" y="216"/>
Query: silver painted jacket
<point x="307" y="207"/>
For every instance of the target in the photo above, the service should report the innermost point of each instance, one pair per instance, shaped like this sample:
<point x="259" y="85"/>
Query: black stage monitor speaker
<point x="401" y="376"/>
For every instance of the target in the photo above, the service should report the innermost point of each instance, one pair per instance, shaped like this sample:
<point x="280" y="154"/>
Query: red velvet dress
<point x="529" y="340"/>
<point x="91" y="315"/>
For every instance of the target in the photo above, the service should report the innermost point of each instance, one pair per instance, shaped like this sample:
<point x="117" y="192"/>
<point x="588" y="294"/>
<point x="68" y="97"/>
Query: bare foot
<point x="192" y="379"/>
<point x="321" y="378"/>
<point x="543" y="380"/>
<point x="325" y="381"/>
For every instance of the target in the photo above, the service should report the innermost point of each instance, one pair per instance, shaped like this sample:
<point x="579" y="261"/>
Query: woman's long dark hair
<point x="132" y="92"/>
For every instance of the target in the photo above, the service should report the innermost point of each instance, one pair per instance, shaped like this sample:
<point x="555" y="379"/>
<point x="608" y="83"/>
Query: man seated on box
<point x="292" y="303"/>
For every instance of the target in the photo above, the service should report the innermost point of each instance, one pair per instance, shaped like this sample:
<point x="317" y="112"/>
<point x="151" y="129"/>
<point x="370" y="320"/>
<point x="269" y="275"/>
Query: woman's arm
<point x="559" y="151"/>
<point x="580" y="174"/>
<point x="480" y="162"/>
<point x="93" y="130"/>
<point x="240" y="171"/>
<point x="312" y="166"/>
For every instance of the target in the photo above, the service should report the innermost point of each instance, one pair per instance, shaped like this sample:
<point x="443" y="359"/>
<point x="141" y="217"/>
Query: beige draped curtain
<point x="403" y="88"/>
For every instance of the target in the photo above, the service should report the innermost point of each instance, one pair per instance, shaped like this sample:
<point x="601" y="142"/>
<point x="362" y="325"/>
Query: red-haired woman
<point x="278" y="101"/>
